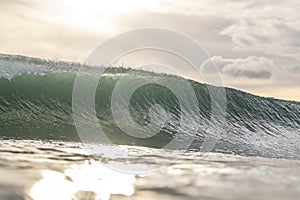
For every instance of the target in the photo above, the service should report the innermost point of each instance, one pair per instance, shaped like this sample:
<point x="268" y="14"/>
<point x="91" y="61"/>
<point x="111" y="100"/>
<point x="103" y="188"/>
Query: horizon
<point x="256" y="49"/>
<point x="151" y="71"/>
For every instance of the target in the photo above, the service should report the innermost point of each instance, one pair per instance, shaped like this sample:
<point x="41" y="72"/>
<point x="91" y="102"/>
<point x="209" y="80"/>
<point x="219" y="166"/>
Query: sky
<point x="255" y="43"/>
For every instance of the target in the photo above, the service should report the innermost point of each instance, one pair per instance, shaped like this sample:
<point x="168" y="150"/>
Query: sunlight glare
<point x="90" y="177"/>
<point x="99" y="16"/>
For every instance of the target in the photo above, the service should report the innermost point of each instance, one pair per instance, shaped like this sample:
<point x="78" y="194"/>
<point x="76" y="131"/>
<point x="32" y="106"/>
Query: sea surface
<point x="45" y="154"/>
<point x="40" y="170"/>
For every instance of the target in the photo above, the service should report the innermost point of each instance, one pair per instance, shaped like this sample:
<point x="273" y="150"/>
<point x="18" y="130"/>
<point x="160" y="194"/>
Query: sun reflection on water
<point x="90" y="180"/>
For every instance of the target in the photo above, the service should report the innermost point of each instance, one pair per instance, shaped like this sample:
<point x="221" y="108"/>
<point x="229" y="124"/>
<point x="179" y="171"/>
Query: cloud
<point x="251" y="67"/>
<point x="249" y="30"/>
<point x="294" y="69"/>
<point x="269" y="27"/>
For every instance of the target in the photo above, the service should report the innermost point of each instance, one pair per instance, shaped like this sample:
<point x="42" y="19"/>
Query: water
<point x="256" y="154"/>
<point x="64" y="170"/>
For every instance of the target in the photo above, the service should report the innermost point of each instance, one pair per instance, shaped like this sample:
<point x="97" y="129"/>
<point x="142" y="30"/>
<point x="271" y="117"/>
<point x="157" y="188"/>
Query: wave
<point x="36" y="103"/>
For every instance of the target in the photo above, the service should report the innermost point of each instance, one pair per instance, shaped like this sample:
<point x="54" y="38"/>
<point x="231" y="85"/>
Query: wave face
<point x="36" y="103"/>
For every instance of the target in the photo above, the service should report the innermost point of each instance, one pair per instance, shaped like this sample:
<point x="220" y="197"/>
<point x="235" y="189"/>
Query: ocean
<point x="255" y="153"/>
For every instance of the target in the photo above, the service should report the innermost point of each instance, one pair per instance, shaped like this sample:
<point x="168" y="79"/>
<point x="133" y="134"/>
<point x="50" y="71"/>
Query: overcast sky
<point x="255" y="43"/>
